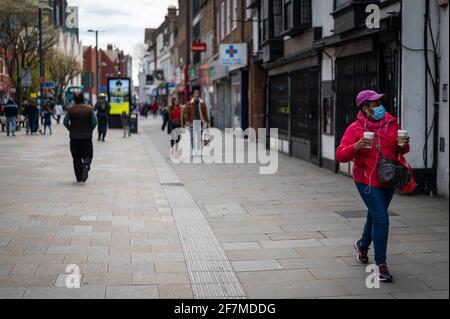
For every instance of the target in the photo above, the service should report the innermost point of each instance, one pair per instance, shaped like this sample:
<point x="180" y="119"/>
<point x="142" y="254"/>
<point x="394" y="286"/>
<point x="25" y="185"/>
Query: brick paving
<point x="287" y="235"/>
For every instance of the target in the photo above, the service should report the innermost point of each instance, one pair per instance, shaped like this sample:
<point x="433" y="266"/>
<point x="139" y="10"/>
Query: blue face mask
<point x="379" y="113"/>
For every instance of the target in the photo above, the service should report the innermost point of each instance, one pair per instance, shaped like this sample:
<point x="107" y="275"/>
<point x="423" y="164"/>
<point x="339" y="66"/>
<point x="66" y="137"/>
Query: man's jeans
<point x="196" y="129"/>
<point x="11" y="125"/>
<point x="377" y="225"/>
<point x="102" y="127"/>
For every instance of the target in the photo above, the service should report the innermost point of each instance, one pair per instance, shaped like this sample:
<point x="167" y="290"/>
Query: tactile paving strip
<point x="210" y="272"/>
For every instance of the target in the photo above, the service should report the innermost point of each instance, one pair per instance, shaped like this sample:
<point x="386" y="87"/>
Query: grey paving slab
<point x="376" y="297"/>
<point x="241" y="246"/>
<point x="12" y="293"/>
<point x="402" y="284"/>
<point x="295" y="289"/>
<point x="5" y="269"/>
<point x="275" y="276"/>
<point x="291" y="243"/>
<point x="305" y="263"/>
<point x="258" y="254"/>
<point x="132" y="292"/>
<point x="65" y="293"/>
<point x="255" y="265"/>
<point x="428" y="257"/>
<point x="423" y="295"/>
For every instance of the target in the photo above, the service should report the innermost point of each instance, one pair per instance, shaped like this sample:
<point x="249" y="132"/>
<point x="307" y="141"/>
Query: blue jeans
<point x="11" y="125"/>
<point x="377" y="225"/>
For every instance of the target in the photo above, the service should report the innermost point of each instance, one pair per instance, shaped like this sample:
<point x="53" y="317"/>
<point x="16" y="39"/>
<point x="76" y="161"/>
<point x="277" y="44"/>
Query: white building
<point x="69" y="45"/>
<point x="420" y="96"/>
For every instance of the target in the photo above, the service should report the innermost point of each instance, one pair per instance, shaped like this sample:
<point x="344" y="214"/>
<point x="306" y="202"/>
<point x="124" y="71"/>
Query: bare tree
<point x="62" y="69"/>
<point x="19" y="39"/>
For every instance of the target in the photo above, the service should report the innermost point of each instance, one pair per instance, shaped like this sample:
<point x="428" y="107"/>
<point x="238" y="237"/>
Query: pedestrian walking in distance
<point x="11" y="111"/>
<point x="196" y="110"/>
<point x="48" y="120"/>
<point x="125" y="118"/>
<point x="102" y="108"/>
<point x="372" y="137"/>
<point x="81" y="121"/>
<point x="58" y="112"/>
<point x="175" y="121"/>
<point x="34" y="117"/>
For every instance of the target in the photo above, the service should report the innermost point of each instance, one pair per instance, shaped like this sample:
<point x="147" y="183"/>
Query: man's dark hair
<point x="78" y="98"/>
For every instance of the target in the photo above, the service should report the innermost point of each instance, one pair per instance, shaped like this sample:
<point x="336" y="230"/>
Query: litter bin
<point x="134" y="123"/>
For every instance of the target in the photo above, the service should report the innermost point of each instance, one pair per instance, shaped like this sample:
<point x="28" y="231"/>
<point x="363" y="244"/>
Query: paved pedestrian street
<point x="143" y="227"/>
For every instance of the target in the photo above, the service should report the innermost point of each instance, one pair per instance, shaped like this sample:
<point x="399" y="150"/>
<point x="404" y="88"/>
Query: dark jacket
<point x="10" y="109"/>
<point x="80" y="120"/>
<point x="102" y="109"/>
<point x="189" y="112"/>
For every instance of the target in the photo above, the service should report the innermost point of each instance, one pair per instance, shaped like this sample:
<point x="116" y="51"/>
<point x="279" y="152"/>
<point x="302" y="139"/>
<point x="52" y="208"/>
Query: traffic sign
<point x="25" y="78"/>
<point x="41" y="80"/>
<point x="49" y="85"/>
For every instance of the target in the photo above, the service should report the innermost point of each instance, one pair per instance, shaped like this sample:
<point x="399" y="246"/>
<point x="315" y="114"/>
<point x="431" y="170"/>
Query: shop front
<point x="293" y="95"/>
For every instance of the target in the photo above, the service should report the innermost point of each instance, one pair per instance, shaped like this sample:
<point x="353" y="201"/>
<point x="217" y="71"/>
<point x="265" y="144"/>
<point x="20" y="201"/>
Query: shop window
<point x="279" y="104"/>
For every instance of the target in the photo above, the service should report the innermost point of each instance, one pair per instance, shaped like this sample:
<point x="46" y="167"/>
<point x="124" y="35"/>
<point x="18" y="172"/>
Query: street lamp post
<point x="97" y="66"/>
<point x="41" y="52"/>
<point x="41" y="59"/>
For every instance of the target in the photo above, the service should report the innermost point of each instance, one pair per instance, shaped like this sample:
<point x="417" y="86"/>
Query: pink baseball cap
<point x="368" y="95"/>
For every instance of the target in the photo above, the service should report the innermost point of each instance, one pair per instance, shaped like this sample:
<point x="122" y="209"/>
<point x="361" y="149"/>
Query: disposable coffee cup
<point x="402" y="133"/>
<point x="369" y="136"/>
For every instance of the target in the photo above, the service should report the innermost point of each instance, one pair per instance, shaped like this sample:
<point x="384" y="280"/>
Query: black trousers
<point x="102" y="127"/>
<point x="82" y="154"/>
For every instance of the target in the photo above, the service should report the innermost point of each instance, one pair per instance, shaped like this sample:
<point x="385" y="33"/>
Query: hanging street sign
<point x="26" y="78"/>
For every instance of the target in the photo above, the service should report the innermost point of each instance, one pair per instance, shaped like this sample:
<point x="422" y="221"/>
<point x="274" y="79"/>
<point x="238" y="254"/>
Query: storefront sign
<point x="199" y="47"/>
<point x="233" y="54"/>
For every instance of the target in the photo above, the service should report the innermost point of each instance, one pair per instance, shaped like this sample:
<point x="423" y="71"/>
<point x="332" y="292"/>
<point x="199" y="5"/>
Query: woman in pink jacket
<point x="366" y="154"/>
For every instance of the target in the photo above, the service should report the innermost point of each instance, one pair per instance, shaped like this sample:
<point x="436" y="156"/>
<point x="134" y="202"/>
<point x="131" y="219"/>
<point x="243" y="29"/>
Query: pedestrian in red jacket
<point x="366" y="153"/>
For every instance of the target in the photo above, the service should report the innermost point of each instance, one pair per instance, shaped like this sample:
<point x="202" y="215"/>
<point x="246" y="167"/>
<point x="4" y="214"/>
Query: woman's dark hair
<point x="78" y="98"/>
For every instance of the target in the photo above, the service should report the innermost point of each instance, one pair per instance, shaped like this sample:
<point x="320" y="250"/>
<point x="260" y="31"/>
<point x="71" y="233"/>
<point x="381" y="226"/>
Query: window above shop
<point x="296" y="15"/>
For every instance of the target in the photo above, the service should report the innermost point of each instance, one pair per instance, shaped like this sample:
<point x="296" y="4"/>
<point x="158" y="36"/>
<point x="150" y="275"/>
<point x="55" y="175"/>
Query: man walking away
<point x="11" y="111"/>
<point x="34" y="117"/>
<point x="102" y="109"/>
<point x="81" y="121"/>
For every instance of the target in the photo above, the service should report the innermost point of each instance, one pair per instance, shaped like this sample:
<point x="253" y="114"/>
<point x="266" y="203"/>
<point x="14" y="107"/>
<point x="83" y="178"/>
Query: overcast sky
<point x="123" y="21"/>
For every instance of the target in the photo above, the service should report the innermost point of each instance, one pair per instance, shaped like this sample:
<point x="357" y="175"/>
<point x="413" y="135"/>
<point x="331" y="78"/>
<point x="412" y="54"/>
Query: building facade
<point x="113" y="62"/>
<point x="317" y="55"/>
<point x="303" y="62"/>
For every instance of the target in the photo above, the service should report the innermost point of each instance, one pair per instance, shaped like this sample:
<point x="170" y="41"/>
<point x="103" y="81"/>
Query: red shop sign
<point x="198" y="47"/>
